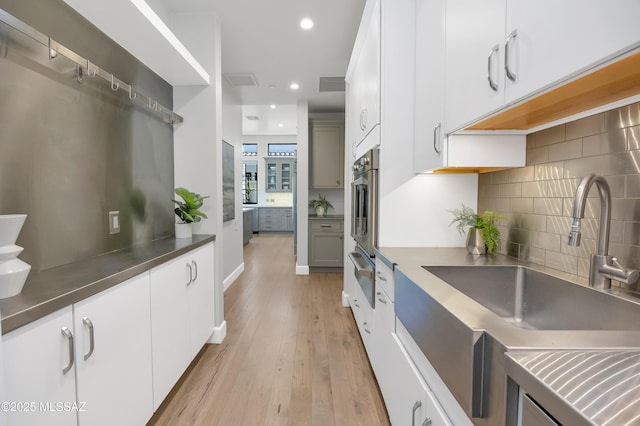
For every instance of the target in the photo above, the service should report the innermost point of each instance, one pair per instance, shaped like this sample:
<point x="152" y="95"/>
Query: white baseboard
<point x="219" y="333"/>
<point x="345" y="299"/>
<point x="302" y="269"/>
<point x="233" y="276"/>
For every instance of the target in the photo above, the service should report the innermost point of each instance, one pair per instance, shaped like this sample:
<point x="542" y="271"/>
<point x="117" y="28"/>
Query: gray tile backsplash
<point x="537" y="199"/>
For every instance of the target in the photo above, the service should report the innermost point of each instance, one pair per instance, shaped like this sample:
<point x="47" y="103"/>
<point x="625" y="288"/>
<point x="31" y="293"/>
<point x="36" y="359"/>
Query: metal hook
<point x="89" y="72"/>
<point x="116" y="87"/>
<point x="134" y="93"/>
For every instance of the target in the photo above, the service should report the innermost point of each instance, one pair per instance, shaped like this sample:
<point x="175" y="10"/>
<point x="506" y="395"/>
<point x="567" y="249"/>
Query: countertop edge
<point x="84" y="290"/>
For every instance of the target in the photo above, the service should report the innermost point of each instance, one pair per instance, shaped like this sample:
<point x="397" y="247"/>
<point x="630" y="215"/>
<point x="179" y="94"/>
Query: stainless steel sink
<point x="534" y="300"/>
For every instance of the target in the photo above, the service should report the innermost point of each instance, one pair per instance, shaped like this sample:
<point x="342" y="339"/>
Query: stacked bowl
<point x="13" y="271"/>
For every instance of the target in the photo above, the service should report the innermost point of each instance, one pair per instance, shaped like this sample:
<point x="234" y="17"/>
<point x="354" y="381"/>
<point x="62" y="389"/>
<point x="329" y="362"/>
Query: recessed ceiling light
<point x="272" y="106"/>
<point x="281" y="125"/>
<point x="306" y="24"/>
<point x="294" y="86"/>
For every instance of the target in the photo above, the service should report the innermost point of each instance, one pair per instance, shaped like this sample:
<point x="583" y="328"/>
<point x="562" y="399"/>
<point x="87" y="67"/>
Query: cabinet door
<point x="170" y="336"/>
<point x="327" y="156"/>
<point x="474" y="43"/>
<point x="34" y="358"/>
<point x="326" y="249"/>
<point x="273" y="179"/>
<point x="429" y="100"/>
<point x="557" y="39"/>
<point x="201" y="298"/>
<point x="366" y="79"/>
<point x="114" y="378"/>
<point x="406" y="390"/>
<point x="435" y="415"/>
<point x="286" y="176"/>
<point x="384" y="324"/>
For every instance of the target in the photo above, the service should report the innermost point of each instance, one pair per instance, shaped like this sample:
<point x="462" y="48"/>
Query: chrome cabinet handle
<point x="380" y="298"/>
<point x="86" y="321"/>
<point x="427" y="422"/>
<point x="507" y="47"/>
<point x="380" y="276"/>
<point x="492" y="53"/>
<point x="195" y="268"/>
<point x="363" y="119"/>
<point x="417" y="405"/>
<point x="66" y="333"/>
<point x="190" y="274"/>
<point x="364" y="325"/>
<point x="436" y="135"/>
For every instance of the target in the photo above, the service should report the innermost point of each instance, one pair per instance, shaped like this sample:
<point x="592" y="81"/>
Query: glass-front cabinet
<point x="279" y="174"/>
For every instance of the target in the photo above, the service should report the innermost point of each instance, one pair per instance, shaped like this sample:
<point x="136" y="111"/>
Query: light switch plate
<point x="114" y="222"/>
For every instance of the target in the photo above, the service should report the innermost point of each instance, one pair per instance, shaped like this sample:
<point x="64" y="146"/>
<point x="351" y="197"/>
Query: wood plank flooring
<point x="292" y="355"/>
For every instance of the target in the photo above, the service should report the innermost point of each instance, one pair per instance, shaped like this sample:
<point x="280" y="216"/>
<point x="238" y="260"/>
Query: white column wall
<point x="198" y="140"/>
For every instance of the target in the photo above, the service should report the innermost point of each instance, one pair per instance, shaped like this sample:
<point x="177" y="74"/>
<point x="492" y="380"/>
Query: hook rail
<point x="85" y="68"/>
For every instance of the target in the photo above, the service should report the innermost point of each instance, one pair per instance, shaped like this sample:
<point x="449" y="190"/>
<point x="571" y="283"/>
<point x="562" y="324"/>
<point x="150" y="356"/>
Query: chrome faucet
<point x="604" y="268"/>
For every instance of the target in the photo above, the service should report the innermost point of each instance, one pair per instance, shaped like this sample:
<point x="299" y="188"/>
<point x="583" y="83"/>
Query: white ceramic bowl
<point x="10" y="252"/>
<point x="10" y="226"/>
<point x="13" y="274"/>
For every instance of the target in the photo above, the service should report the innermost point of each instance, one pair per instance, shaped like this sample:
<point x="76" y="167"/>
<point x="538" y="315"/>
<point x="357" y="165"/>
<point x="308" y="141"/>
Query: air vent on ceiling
<point x="252" y="117"/>
<point x="242" y="79"/>
<point x="331" y="84"/>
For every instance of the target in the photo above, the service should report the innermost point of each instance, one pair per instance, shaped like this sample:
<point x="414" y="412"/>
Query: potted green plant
<point x="188" y="211"/>
<point x="320" y="205"/>
<point x="483" y="236"/>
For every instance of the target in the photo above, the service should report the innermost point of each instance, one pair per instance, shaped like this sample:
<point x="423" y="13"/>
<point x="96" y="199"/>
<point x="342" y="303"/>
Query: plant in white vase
<point x="188" y="211"/>
<point x="320" y="205"/>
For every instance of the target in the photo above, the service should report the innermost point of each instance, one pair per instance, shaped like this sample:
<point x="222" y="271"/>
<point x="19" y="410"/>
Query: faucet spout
<point x="604" y="268"/>
<point x="579" y="204"/>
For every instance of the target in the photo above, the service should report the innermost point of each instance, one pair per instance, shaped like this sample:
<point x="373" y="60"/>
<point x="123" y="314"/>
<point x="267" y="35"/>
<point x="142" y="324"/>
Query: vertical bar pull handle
<point x="66" y="333"/>
<point x="507" y="48"/>
<point x="492" y="52"/>
<point x="190" y="272"/>
<point x="436" y="137"/>
<point x="195" y="270"/>
<point x="417" y="405"/>
<point x="87" y="322"/>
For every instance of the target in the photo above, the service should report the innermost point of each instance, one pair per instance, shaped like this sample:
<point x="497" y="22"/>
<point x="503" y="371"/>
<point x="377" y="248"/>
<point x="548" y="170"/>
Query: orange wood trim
<point x="612" y="83"/>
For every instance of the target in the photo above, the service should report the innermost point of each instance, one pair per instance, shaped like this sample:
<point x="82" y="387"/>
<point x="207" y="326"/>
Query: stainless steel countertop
<point x="48" y="291"/>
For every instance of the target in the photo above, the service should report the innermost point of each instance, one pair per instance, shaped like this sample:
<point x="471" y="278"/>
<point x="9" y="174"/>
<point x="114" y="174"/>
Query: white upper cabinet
<point x="429" y="98"/>
<point x="364" y="79"/>
<point x="433" y="149"/>
<point x="474" y="81"/>
<point x="499" y="52"/>
<point x="554" y="39"/>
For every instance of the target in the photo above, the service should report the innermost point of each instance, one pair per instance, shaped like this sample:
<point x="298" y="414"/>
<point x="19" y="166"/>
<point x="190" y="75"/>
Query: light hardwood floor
<point x="292" y="355"/>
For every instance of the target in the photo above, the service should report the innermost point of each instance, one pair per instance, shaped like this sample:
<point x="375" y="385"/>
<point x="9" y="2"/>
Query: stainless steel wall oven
<point x="364" y="201"/>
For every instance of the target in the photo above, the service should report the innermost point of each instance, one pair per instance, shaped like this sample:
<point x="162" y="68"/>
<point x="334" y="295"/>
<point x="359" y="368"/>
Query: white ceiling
<point x="264" y="37"/>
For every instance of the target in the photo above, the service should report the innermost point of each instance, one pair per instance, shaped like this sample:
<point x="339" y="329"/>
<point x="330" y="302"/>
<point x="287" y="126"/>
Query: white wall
<point x="198" y="140"/>
<point x="302" y="260"/>
<point x="232" y="255"/>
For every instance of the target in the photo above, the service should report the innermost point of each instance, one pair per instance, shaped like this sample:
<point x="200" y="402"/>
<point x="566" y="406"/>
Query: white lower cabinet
<point x="35" y="356"/>
<point x="182" y="295"/>
<point x="52" y="364"/>
<point x="363" y="314"/>
<point x="114" y="372"/>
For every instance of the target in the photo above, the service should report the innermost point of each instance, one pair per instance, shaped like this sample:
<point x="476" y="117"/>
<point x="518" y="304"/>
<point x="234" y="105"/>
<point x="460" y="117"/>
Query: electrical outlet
<point x="114" y="222"/>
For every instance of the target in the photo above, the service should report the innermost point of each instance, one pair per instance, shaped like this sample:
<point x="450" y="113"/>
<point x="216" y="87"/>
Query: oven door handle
<point x="362" y="267"/>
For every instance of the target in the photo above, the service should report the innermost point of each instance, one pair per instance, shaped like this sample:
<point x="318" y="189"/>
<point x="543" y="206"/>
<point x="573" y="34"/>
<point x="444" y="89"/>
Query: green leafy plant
<point x="188" y="209"/>
<point x="465" y="217"/>
<point x="320" y="202"/>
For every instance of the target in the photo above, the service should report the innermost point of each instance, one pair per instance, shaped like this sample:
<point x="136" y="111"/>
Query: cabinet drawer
<point x="384" y="278"/>
<point x="327" y="225"/>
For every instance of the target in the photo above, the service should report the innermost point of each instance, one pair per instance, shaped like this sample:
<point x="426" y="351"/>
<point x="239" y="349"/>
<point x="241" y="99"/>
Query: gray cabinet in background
<point x="326" y="154"/>
<point x="247" y="225"/>
<point x="275" y="219"/>
<point x="279" y="174"/>
<point x="326" y="242"/>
